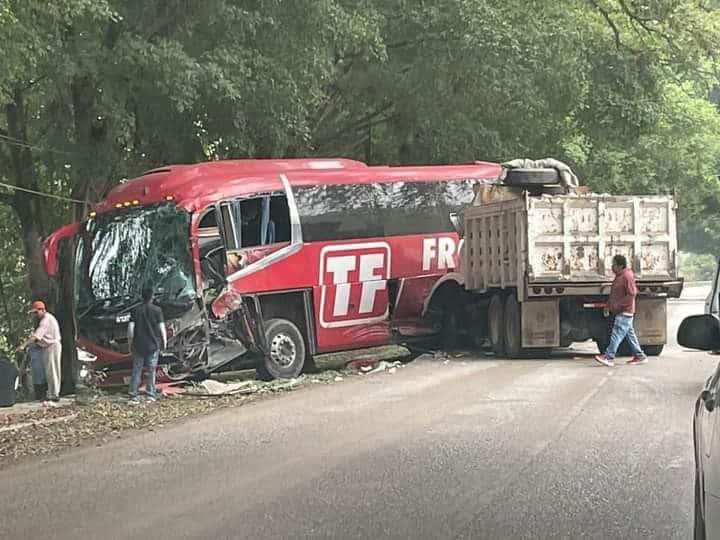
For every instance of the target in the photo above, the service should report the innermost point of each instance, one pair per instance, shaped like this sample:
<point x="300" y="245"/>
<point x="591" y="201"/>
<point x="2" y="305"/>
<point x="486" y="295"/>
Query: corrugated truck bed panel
<point x="568" y="238"/>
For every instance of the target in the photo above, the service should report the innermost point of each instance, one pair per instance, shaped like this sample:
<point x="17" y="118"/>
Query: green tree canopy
<point x="92" y="91"/>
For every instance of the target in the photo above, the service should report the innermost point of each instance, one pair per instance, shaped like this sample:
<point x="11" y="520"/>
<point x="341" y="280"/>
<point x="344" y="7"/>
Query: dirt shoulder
<point x="95" y="417"/>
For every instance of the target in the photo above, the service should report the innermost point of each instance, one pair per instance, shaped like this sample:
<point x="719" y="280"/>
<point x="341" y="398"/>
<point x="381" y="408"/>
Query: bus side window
<point x="211" y="250"/>
<point x="280" y="216"/>
<point x="264" y="221"/>
<point x="231" y="220"/>
<point x="254" y="228"/>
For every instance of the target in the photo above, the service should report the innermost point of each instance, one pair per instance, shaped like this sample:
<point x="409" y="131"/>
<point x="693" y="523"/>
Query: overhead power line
<point x="41" y="194"/>
<point x="11" y="141"/>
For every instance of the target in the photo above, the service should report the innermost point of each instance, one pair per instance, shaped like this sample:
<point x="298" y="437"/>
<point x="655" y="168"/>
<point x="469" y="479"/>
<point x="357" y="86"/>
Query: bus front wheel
<point x="286" y="351"/>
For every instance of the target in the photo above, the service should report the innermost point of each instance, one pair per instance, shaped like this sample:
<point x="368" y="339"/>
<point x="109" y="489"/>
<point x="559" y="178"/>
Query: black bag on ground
<point x="8" y="382"/>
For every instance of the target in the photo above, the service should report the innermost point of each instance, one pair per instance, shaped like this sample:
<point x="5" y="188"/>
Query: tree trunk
<point x="65" y="312"/>
<point x="29" y="215"/>
<point x="92" y="173"/>
<point x="28" y="207"/>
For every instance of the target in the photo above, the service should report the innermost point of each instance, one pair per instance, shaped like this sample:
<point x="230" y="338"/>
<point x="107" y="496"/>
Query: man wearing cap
<point x="47" y="337"/>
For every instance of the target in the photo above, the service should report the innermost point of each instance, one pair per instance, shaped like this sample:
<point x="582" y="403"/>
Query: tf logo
<point x="353" y="284"/>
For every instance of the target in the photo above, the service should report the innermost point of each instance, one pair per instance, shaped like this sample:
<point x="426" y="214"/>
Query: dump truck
<point x="536" y="264"/>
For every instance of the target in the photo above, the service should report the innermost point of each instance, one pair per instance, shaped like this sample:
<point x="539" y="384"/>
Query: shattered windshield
<point x="122" y="252"/>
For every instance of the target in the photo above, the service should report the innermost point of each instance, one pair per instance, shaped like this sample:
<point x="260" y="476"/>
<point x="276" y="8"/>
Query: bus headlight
<point x="85" y="364"/>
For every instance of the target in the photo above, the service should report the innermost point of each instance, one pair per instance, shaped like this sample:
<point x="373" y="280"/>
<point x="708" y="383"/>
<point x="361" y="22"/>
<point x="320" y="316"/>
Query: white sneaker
<point x="604" y="360"/>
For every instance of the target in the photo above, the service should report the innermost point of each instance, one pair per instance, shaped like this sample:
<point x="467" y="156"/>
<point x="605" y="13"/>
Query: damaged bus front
<point x="269" y="263"/>
<point x="133" y="246"/>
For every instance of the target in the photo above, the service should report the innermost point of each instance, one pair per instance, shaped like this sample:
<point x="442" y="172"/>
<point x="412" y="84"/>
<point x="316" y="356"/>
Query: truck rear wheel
<point x="623" y="349"/>
<point x="286" y="351"/>
<point x="496" y="324"/>
<point x="513" y="328"/>
<point x="653" y="350"/>
<point x="450" y="330"/>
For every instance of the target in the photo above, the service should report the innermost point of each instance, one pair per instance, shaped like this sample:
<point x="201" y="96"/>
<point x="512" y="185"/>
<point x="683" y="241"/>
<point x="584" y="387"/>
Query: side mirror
<point x="458" y="223"/>
<point x="52" y="243"/>
<point x="708" y="399"/>
<point x="700" y="332"/>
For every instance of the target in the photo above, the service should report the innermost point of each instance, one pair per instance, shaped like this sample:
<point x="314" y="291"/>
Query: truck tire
<point x="286" y="351"/>
<point x="532" y="177"/>
<point x="653" y="350"/>
<point x="601" y="345"/>
<point x="450" y="336"/>
<point x="603" y="341"/>
<point x="496" y="324"/>
<point x="513" y="327"/>
<point x="623" y="350"/>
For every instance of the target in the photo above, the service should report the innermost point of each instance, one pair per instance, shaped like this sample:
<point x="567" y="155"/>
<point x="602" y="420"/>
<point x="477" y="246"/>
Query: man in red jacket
<point x="622" y="305"/>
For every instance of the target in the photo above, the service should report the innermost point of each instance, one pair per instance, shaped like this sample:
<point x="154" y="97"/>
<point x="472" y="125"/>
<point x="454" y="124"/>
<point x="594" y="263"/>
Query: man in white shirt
<point x="47" y="337"/>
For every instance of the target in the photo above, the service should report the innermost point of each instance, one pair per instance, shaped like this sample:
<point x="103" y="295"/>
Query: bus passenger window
<point x="264" y="221"/>
<point x="208" y="224"/>
<point x="254" y="228"/>
<point x="211" y="250"/>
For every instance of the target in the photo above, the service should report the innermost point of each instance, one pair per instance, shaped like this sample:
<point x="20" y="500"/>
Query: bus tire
<point x="286" y="352"/>
<point x="496" y="324"/>
<point x="513" y="328"/>
<point x="653" y="350"/>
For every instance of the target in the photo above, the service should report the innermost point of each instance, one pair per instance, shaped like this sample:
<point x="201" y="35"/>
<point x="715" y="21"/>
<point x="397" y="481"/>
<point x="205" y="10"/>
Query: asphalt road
<point x="470" y="448"/>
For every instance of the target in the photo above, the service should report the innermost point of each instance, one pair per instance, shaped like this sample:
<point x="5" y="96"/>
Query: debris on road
<point x="391" y="367"/>
<point x="210" y="387"/>
<point x="362" y="364"/>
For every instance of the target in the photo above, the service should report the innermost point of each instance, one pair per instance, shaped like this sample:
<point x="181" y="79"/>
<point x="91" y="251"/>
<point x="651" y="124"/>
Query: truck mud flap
<point x="540" y="323"/>
<point x="651" y="321"/>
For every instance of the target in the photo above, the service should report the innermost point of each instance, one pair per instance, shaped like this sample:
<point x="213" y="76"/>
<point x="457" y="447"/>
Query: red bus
<point x="269" y="261"/>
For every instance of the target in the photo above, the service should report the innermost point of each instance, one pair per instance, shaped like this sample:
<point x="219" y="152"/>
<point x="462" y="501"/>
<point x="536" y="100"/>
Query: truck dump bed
<point x="521" y="239"/>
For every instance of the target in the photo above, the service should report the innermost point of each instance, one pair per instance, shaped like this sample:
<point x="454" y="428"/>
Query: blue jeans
<point x="623" y="328"/>
<point x="150" y="362"/>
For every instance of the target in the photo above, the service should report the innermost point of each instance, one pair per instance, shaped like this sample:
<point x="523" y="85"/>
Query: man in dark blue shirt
<point x="146" y="337"/>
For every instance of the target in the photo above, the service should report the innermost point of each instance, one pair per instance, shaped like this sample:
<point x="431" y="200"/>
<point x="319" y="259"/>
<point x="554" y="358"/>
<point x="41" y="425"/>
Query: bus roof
<point x="195" y="186"/>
